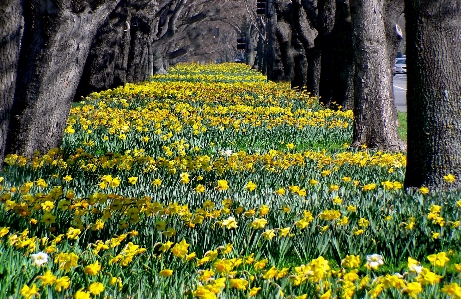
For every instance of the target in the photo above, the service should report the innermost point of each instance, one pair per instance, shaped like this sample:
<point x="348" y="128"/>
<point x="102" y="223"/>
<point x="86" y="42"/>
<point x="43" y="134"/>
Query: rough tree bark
<point x="284" y="36"/>
<point x="288" y="46"/>
<point x="375" y="115"/>
<point x="140" y="64"/>
<point x="271" y="50"/>
<point x="107" y="62"/>
<point x="434" y="93"/>
<point x="11" y="24"/>
<point x="335" y="41"/>
<point x="300" y="65"/>
<point x="305" y="34"/>
<point x="324" y="43"/>
<point x="55" y="45"/>
<point x="304" y="19"/>
<point x="167" y="27"/>
<point x="342" y="57"/>
<point x="122" y="49"/>
<point x="252" y="35"/>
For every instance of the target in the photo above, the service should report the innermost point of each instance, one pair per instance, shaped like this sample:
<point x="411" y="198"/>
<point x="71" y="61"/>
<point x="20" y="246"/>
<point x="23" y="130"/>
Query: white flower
<point x="39" y="258"/>
<point x="374" y="261"/>
<point x="416" y="268"/>
<point x="226" y="153"/>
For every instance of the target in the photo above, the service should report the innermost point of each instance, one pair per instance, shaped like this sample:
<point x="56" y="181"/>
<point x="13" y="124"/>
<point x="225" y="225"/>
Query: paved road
<point x="400" y="92"/>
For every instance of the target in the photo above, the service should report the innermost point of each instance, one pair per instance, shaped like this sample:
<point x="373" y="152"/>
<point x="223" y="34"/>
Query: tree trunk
<point x="324" y="41"/>
<point x="11" y="24"/>
<point x="300" y="65"/>
<point x="284" y="35"/>
<point x="314" y="58"/>
<point x="260" y="56"/>
<point x="305" y="13"/>
<point x="271" y="47"/>
<point x="434" y="91"/>
<point x="375" y="115"/>
<point x="122" y="49"/>
<point x="150" y="60"/>
<point x="335" y="40"/>
<point x="140" y="59"/>
<point x="342" y="58"/>
<point x="56" y="43"/>
<point x="250" y="52"/>
<point x="107" y="61"/>
<point x="159" y="59"/>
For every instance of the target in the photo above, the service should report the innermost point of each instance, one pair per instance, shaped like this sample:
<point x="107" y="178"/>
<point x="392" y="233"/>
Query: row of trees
<point x="344" y="51"/>
<point x="341" y="50"/>
<point x="52" y="52"/>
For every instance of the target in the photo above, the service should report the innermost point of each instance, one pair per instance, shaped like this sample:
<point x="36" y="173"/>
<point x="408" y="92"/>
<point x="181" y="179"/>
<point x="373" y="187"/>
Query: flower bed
<point x="211" y="182"/>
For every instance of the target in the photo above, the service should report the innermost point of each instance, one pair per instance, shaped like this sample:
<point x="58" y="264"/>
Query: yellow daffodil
<point x="96" y="288"/>
<point x="439" y="259"/>
<point x="452" y="289"/>
<point x="254" y="291"/>
<point x="413" y="289"/>
<point x="200" y="188"/>
<point x="222" y="185"/>
<point x="62" y="283"/>
<point x="268" y="234"/>
<point x="449" y="178"/>
<point x="238" y="283"/>
<point x="229" y="223"/>
<point x="80" y="294"/>
<point x="133" y="180"/>
<point x="351" y="261"/>
<point x="166" y="272"/>
<point x="29" y="292"/>
<point x="48" y="218"/>
<point x="180" y="249"/>
<point x="250" y="186"/>
<point x="92" y="269"/>
<point x="258" y="223"/>
<point x="426" y="277"/>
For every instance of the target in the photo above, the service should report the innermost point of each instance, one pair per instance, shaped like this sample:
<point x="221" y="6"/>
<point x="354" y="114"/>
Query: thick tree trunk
<point x="107" y="61"/>
<point x="250" y="52"/>
<point x="140" y="59"/>
<point x="342" y="58"/>
<point x="284" y="35"/>
<point x="314" y="61"/>
<point x="159" y="59"/>
<point x="11" y="24"/>
<point x="335" y="41"/>
<point x="375" y="115"/>
<point x="300" y="66"/>
<point x="304" y="19"/>
<point x="260" y="56"/>
<point x="324" y="41"/>
<point x="271" y="47"/>
<point x="56" y="43"/>
<point x="434" y="93"/>
<point x="122" y="49"/>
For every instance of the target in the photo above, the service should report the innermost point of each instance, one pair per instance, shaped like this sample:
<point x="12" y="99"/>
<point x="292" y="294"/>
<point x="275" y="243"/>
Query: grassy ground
<point x="211" y="182"/>
<point x="402" y="125"/>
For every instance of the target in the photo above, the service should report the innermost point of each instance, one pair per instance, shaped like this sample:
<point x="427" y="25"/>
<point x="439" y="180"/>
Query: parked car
<point x="400" y="66"/>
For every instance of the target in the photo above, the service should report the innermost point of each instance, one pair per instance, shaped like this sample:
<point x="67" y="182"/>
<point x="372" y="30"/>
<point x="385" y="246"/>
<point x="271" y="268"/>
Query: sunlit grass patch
<point x="402" y="125"/>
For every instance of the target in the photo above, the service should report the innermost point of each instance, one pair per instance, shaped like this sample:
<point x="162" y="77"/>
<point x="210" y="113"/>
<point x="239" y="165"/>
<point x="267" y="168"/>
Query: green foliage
<point x="402" y="125"/>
